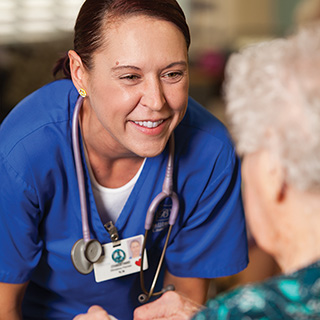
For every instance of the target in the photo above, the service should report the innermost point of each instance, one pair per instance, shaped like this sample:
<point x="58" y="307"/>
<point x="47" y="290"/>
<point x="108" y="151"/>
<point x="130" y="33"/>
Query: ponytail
<point x="62" y="65"/>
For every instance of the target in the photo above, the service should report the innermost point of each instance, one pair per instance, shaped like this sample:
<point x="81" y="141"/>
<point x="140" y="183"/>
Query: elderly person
<point x="273" y="105"/>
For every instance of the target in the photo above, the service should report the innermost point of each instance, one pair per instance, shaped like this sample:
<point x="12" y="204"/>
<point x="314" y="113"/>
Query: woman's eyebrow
<point x="180" y="63"/>
<point x="125" y="67"/>
<point x="173" y="64"/>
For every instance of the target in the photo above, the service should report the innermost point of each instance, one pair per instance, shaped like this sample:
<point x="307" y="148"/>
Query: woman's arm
<point x="195" y="289"/>
<point x="170" y="306"/>
<point x="11" y="296"/>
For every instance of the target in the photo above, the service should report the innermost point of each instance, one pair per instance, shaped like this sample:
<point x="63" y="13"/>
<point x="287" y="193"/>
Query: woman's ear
<point x="77" y="70"/>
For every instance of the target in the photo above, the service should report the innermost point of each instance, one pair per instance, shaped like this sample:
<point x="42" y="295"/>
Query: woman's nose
<point x="153" y="95"/>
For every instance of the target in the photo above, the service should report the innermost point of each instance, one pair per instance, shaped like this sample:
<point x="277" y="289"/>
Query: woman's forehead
<point x="139" y="26"/>
<point x="140" y="40"/>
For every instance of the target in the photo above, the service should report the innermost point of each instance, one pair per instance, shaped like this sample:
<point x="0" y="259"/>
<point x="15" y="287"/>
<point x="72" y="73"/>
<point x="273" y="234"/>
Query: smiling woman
<point x="129" y="64"/>
<point x="137" y="75"/>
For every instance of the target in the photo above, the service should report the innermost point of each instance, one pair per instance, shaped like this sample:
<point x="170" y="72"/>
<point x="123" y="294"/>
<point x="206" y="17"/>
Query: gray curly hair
<point x="272" y="93"/>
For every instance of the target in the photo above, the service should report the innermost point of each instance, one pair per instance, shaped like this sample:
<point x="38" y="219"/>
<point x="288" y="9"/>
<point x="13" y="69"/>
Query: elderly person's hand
<point x="171" y="306"/>
<point x="95" y="313"/>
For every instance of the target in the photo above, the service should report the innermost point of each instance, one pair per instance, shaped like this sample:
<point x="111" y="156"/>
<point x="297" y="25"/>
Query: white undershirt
<point x="110" y="201"/>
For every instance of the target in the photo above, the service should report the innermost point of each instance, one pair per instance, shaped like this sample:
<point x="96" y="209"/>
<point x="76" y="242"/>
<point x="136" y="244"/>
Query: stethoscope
<point x="87" y="251"/>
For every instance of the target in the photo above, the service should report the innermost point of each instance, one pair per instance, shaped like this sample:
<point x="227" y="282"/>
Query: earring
<point x="82" y="92"/>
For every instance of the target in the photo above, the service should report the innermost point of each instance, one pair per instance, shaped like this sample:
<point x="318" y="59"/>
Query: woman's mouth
<point x="148" y="124"/>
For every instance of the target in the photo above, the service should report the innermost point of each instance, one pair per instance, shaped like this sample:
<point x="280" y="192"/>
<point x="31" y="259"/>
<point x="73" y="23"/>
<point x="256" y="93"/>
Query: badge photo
<point x="120" y="259"/>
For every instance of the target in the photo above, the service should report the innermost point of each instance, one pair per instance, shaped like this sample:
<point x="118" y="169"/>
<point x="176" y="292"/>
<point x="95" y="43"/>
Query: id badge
<point x="120" y="259"/>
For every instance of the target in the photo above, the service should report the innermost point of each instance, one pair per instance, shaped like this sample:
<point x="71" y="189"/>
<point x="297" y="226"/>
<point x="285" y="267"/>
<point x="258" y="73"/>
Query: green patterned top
<point x="291" y="296"/>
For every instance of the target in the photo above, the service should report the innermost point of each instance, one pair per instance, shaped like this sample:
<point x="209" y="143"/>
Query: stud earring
<point x="82" y="92"/>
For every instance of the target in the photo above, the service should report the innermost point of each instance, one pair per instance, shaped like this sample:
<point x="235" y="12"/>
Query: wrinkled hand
<point x="171" y="306"/>
<point x="95" y="313"/>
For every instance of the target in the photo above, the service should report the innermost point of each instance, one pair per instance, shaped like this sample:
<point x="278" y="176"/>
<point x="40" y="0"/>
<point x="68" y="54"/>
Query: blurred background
<point x="35" y="33"/>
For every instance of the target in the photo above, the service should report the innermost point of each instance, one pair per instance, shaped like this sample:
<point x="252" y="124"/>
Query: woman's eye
<point x="173" y="75"/>
<point x="130" y="77"/>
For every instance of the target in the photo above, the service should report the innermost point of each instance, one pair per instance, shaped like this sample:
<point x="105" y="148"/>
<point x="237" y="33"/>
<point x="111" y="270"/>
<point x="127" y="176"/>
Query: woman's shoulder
<point x="37" y="132"/>
<point x="48" y="106"/>
<point x="200" y="120"/>
<point x="198" y="115"/>
<point x="201" y="130"/>
<point x="48" y="102"/>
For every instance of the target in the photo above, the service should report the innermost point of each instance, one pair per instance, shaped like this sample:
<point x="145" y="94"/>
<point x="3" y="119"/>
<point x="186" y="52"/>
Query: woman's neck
<point x="111" y="168"/>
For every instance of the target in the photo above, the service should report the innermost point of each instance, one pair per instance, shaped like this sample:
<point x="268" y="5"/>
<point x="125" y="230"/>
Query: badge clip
<point x="113" y="232"/>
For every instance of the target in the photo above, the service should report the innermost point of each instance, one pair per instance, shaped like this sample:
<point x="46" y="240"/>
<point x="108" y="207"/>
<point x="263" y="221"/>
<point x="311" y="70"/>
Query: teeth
<point x="148" y="124"/>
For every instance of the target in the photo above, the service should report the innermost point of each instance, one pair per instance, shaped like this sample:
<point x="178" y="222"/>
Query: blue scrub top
<point x="40" y="210"/>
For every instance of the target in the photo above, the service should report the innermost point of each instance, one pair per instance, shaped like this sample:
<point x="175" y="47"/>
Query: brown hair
<point x="88" y="30"/>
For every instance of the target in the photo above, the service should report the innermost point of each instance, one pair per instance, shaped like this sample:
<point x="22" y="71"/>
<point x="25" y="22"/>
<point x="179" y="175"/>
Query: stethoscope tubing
<point x="79" y="170"/>
<point x="151" y="293"/>
<point x="167" y="192"/>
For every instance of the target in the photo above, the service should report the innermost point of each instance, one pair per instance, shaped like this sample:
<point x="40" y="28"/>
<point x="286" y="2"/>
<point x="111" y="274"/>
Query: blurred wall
<point x="25" y="68"/>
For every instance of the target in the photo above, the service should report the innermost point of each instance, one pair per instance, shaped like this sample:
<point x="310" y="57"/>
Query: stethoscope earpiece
<point x="83" y="255"/>
<point x="169" y="287"/>
<point x="142" y="298"/>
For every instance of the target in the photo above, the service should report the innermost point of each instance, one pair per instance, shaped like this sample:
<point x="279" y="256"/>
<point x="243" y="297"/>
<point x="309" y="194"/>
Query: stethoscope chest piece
<point x="83" y="255"/>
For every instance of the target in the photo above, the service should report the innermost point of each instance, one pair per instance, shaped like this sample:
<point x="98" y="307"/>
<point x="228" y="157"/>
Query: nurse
<point x="130" y="63"/>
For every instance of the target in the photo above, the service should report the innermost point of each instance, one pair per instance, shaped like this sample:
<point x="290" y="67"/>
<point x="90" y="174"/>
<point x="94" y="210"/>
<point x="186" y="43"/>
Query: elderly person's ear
<point x="274" y="175"/>
<point x="277" y="177"/>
